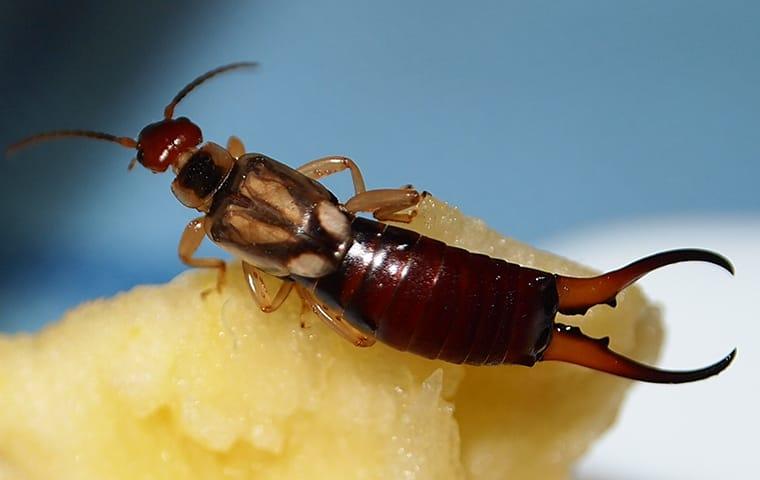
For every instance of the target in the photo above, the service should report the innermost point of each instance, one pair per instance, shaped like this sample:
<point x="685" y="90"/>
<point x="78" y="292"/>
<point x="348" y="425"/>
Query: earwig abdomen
<point x="420" y="295"/>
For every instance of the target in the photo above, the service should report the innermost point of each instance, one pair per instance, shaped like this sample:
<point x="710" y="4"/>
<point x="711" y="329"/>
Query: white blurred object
<point x="703" y="430"/>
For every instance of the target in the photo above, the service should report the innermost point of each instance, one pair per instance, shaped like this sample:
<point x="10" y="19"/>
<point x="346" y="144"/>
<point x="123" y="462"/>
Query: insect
<point x="370" y="280"/>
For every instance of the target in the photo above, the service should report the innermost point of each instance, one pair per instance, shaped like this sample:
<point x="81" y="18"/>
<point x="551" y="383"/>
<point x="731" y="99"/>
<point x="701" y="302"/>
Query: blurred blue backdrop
<point x="539" y="117"/>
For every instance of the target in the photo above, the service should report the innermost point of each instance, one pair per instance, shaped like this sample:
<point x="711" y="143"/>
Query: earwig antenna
<point x="569" y="345"/>
<point x="169" y="110"/>
<point x="42" y="137"/>
<point x="126" y="141"/>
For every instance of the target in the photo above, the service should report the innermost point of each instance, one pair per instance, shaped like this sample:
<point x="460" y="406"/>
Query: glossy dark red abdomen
<point x="420" y="295"/>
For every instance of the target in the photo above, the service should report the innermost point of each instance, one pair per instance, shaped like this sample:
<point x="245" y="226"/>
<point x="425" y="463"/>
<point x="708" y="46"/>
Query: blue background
<point x="540" y="117"/>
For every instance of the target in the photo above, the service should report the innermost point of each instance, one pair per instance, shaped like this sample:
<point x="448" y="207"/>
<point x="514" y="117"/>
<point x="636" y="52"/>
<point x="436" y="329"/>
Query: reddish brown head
<point x="159" y="145"/>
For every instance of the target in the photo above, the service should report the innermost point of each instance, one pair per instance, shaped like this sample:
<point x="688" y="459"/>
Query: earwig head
<point x="160" y="144"/>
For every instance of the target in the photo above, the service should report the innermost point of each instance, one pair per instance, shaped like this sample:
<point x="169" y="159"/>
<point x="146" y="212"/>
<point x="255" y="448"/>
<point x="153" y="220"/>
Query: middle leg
<point x="386" y="204"/>
<point x="325" y="166"/>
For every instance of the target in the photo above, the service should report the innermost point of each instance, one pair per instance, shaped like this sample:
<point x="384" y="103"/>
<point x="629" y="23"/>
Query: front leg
<point x="188" y="245"/>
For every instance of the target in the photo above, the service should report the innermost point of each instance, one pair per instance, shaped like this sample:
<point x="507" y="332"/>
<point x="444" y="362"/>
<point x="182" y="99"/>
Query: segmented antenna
<point x="41" y="137"/>
<point x="169" y="110"/>
<point x="126" y="141"/>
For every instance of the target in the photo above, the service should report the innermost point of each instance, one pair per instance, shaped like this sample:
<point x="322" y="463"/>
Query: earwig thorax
<point x="201" y="172"/>
<point x="258" y="217"/>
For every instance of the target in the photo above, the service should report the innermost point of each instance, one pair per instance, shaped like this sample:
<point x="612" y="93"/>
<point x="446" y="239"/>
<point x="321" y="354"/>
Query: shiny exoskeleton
<point x="368" y="279"/>
<point x="421" y="295"/>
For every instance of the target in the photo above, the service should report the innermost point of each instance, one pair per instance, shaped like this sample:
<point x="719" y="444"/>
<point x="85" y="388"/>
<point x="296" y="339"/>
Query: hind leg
<point x="335" y="320"/>
<point x="259" y="290"/>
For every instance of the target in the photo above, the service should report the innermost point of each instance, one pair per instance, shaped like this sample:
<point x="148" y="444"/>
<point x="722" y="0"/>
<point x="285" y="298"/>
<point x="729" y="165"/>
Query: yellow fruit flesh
<point x="159" y="383"/>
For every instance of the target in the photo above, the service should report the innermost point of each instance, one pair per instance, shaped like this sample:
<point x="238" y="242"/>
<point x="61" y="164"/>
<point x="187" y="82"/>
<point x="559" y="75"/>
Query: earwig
<point x="370" y="280"/>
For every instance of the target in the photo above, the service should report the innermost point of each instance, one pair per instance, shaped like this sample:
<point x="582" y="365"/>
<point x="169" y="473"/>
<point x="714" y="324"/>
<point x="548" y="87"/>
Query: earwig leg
<point x="188" y="245"/>
<point x="385" y="204"/>
<point x="569" y="345"/>
<point x="235" y="146"/>
<point x="305" y="309"/>
<point x="322" y="167"/>
<point x="260" y="292"/>
<point x="335" y="320"/>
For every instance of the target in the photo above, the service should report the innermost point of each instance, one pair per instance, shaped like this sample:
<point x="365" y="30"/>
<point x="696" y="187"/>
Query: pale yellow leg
<point x="385" y="204"/>
<point x="334" y="320"/>
<point x="325" y="166"/>
<point x="235" y="147"/>
<point x="191" y="239"/>
<point x="260" y="292"/>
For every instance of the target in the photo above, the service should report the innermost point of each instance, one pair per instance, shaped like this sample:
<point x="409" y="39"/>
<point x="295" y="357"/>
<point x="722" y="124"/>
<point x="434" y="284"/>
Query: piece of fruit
<point x="159" y="382"/>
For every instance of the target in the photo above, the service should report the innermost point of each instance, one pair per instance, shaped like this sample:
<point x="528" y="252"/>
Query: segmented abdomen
<point x="420" y="295"/>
